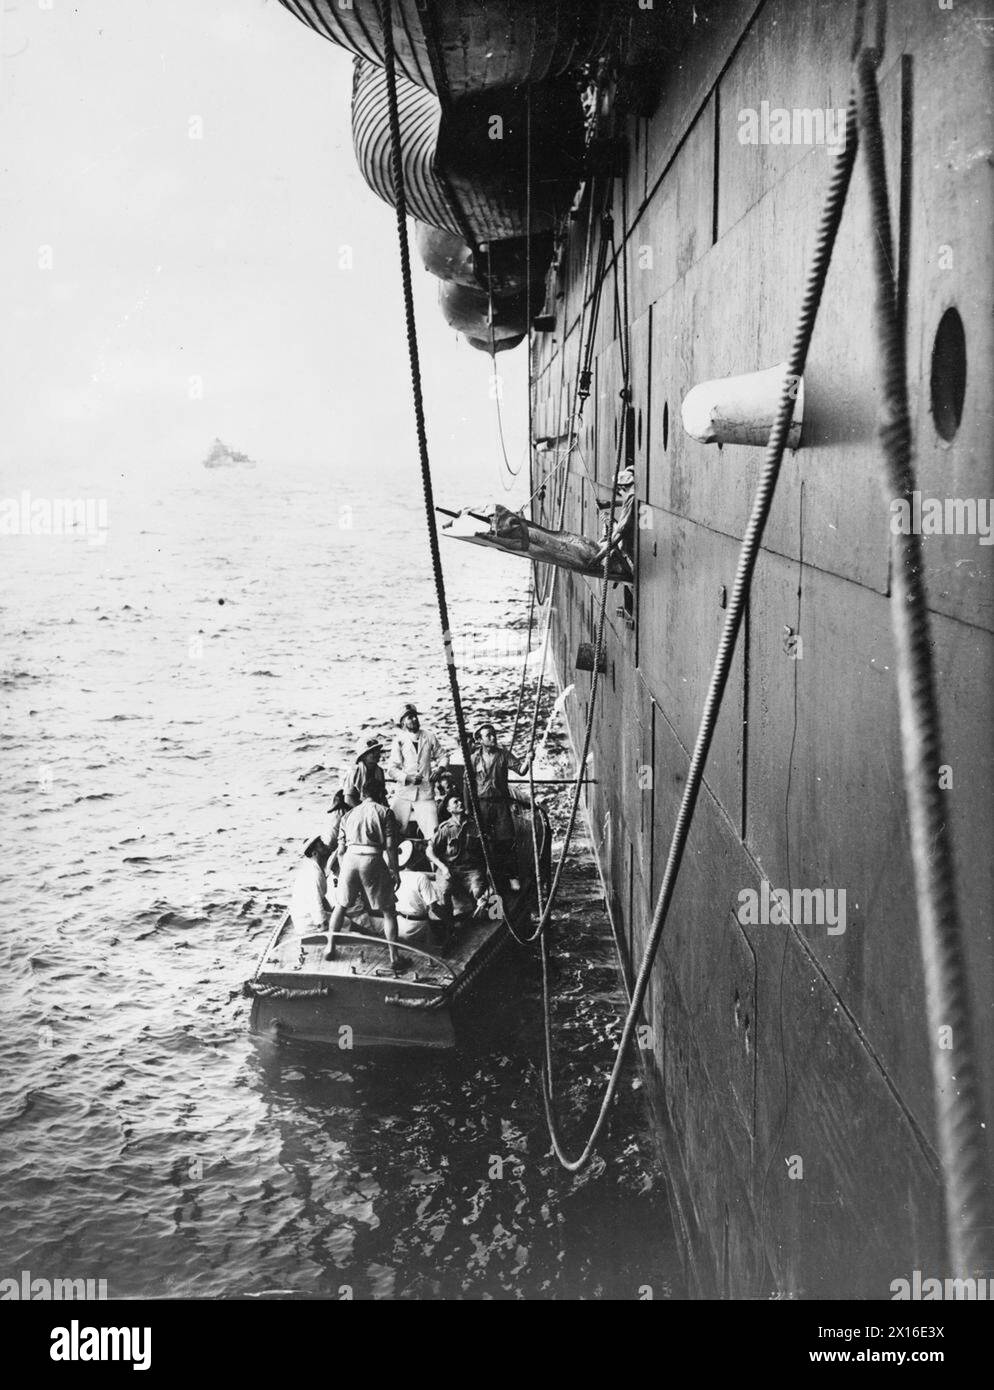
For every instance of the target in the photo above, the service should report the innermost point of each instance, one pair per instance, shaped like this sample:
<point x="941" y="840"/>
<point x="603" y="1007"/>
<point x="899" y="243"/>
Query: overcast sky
<point x="215" y="258"/>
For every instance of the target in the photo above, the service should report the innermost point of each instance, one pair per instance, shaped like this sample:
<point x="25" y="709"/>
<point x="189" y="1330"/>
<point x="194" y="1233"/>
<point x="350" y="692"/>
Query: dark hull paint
<point x="789" y="1068"/>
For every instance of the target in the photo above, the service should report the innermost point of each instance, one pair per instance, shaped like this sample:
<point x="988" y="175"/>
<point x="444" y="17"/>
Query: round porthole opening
<point x="948" y="382"/>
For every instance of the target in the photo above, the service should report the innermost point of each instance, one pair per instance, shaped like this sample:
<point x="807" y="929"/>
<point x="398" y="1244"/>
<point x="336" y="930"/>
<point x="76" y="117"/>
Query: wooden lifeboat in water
<point x="357" y="1002"/>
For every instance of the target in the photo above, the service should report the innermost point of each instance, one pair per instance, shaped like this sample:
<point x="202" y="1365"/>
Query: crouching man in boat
<point x="308" y="896"/>
<point x="420" y="902"/>
<point x="456" y="850"/>
<point x="412" y="756"/>
<point x="367" y="856"/>
<point x="492" y="763"/>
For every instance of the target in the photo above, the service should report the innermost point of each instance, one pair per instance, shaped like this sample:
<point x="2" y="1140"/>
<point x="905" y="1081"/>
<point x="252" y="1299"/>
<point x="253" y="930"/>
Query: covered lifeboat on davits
<point x="458" y="48"/>
<point x="491" y="134"/>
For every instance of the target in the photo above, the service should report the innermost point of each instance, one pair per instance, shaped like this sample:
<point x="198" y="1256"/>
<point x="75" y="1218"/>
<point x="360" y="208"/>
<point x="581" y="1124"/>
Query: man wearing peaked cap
<point x="412" y="757"/>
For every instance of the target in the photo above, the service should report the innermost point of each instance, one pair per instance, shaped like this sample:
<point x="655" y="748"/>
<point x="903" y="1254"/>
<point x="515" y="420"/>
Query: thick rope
<point x="575" y="419"/>
<point x="469" y="772"/>
<point x="824" y="243"/>
<point x="524" y="665"/>
<point x="957" y="1091"/>
<point x="545" y="910"/>
<point x="400" y="201"/>
<point x="621" y="319"/>
<point x="495" y="384"/>
<point x="583" y="355"/>
<point x="954" y="1070"/>
<point x="261" y="991"/>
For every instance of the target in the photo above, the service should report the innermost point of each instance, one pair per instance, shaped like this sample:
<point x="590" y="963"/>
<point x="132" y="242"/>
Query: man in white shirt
<point x="417" y="895"/>
<point x="412" y="755"/>
<point x="308" y="905"/>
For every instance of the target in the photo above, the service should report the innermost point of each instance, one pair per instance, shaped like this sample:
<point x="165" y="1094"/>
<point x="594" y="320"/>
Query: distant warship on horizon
<point x="223" y="456"/>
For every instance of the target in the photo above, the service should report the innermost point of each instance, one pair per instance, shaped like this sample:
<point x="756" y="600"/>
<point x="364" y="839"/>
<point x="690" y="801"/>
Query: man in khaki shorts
<point x="367" y="856"/>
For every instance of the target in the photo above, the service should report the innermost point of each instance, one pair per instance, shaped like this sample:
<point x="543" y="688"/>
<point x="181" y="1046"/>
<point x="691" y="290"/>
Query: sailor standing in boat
<point x="367" y="773"/>
<point x="367" y="856"/>
<point x="412" y="756"/>
<point x="492" y="763"/>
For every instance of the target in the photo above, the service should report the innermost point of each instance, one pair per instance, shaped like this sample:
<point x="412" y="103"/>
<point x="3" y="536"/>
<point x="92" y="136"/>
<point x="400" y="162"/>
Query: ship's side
<point x="789" y="1065"/>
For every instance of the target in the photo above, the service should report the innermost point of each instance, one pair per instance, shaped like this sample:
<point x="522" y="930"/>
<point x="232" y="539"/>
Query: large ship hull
<point x="789" y="1065"/>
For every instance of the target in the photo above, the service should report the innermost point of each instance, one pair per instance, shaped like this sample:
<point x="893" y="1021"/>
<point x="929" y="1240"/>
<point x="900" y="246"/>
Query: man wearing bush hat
<point x="308" y="898"/>
<point x="366" y="773"/>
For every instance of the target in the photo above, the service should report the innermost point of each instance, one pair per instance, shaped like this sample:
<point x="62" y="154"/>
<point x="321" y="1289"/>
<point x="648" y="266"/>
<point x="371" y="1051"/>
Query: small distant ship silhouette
<point x="223" y="456"/>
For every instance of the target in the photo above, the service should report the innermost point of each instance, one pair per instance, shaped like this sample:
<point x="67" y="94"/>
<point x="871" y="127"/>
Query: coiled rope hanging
<point x="752" y="539"/>
<point x="400" y="204"/>
<point x="959" y="1112"/>
<point x="956" y="1083"/>
<point x="400" y="200"/>
<point x="957" y="1093"/>
<point x="545" y="910"/>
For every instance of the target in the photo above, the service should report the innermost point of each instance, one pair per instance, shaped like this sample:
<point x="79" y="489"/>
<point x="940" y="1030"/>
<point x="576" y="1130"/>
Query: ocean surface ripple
<point x="179" y="700"/>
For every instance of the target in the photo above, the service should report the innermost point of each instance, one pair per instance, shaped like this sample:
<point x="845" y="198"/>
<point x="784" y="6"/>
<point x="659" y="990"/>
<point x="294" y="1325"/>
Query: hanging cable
<point x="545" y="910"/>
<point x="957" y="1092"/>
<point x="524" y="665"/>
<point x="954" y="1069"/>
<point x="571" y="403"/>
<point x="419" y="416"/>
<point x="814" y="287"/>
<point x="495" y="381"/>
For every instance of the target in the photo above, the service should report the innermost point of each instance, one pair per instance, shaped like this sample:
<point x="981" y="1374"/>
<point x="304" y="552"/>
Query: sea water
<point x="182" y="683"/>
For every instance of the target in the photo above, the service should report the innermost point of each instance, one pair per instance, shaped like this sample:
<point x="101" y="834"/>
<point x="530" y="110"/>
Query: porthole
<point x="948" y="381"/>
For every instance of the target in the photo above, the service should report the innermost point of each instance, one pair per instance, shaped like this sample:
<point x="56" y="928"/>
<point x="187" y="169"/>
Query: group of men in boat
<point x="369" y="862"/>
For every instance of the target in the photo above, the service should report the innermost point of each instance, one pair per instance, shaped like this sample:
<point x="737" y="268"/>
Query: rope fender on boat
<point x="260" y="991"/>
